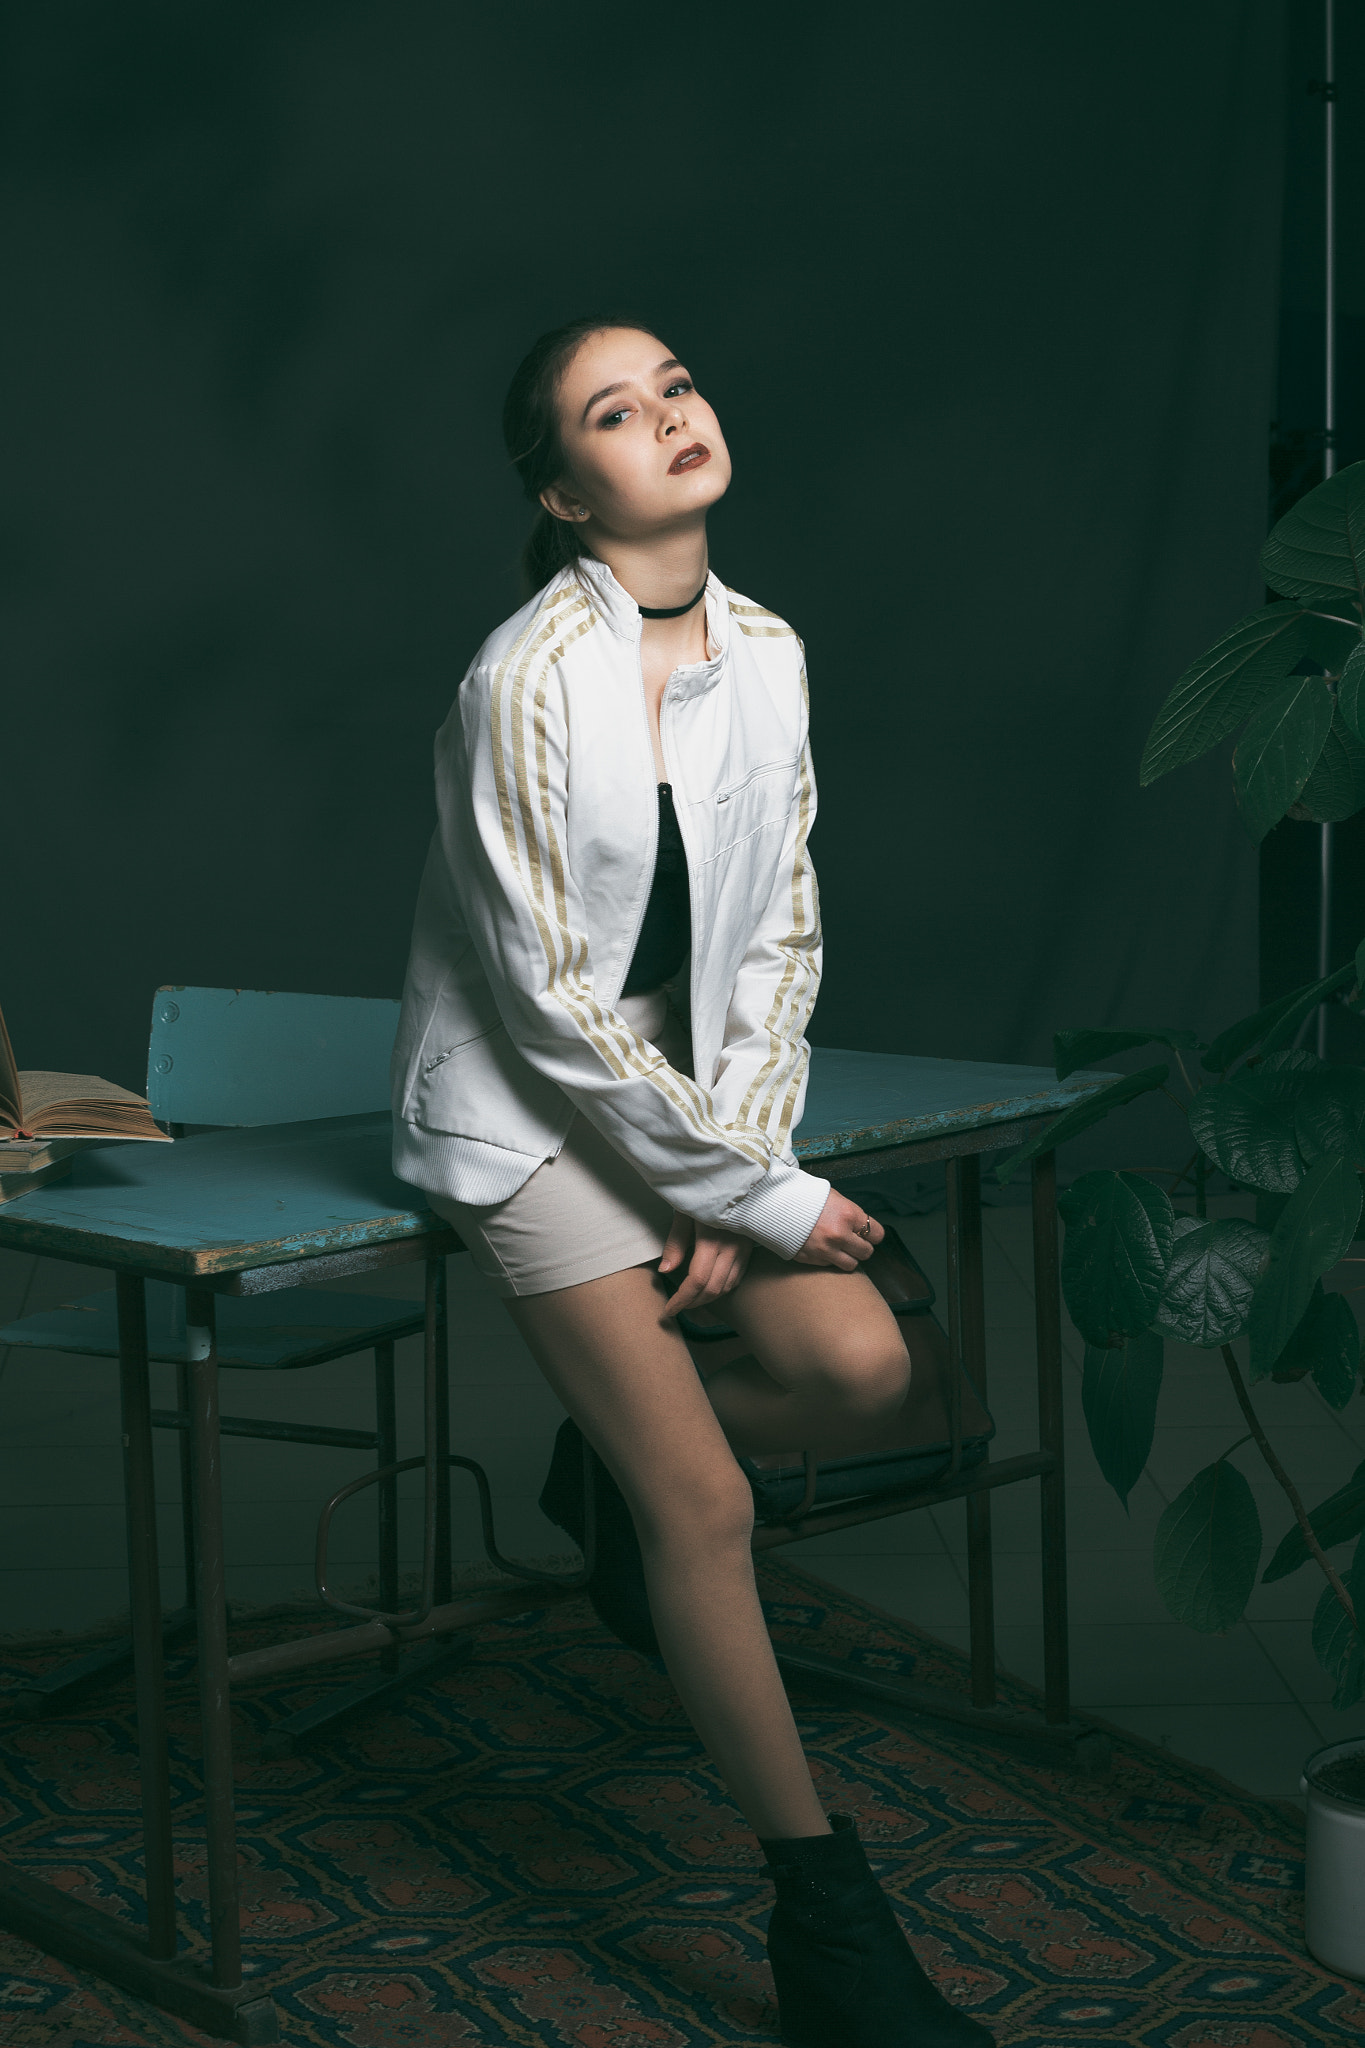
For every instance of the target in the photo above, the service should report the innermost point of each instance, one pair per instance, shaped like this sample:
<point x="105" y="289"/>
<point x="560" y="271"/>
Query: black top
<point x="666" y="932"/>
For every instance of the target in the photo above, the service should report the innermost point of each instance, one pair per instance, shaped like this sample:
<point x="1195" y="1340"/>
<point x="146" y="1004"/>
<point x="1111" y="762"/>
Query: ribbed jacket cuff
<point x="781" y="1211"/>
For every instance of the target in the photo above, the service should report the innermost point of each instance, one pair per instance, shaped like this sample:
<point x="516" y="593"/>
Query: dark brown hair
<point x="530" y="428"/>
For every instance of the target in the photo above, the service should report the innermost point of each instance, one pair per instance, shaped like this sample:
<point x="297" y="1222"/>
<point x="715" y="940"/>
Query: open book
<point x="34" y="1105"/>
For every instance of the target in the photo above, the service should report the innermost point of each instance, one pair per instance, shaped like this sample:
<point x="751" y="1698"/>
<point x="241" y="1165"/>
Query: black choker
<point x="677" y="610"/>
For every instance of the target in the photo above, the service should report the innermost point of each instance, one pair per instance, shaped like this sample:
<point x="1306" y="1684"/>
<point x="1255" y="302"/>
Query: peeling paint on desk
<point x="956" y="1095"/>
<point x="270" y="1194"/>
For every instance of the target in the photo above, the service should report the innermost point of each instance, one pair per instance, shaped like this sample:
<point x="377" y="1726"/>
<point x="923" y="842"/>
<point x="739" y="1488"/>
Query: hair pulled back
<point x="530" y="429"/>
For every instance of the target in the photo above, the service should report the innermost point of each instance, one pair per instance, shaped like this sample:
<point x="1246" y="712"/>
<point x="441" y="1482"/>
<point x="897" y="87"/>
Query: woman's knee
<point x="706" y="1508"/>
<point x="868" y="1371"/>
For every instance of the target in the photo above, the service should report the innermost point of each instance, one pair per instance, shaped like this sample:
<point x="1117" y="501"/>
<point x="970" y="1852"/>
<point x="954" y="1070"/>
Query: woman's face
<point x="645" y="452"/>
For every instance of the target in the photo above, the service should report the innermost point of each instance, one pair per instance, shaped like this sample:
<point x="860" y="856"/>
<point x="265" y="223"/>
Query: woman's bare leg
<point x="819" y="1361"/>
<point x="625" y="1376"/>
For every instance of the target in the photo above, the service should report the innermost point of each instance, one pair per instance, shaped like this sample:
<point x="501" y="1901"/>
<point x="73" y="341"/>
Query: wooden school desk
<point x="245" y="1212"/>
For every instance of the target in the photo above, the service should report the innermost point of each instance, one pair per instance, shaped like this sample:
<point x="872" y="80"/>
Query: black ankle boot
<point x="846" y="1976"/>
<point x="617" y="1586"/>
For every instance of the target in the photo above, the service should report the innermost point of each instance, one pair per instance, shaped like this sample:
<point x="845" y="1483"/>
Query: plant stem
<point x="1191" y="1161"/>
<point x="1175" y="1055"/>
<point x="1201" y="1174"/>
<point x="1291" y="1492"/>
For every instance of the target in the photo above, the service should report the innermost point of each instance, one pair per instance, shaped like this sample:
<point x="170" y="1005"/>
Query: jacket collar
<point x="621" y="613"/>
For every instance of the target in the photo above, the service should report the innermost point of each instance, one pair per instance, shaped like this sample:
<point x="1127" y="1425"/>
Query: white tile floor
<point x="1251" y="1704"/>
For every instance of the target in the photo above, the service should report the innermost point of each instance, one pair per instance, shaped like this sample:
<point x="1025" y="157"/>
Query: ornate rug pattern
<point x="532" y="1849"/>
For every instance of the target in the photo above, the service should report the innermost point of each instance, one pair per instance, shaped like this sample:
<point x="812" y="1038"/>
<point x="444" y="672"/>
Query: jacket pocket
<point x="739" y="809"/>
<point x="464" y="1015"/>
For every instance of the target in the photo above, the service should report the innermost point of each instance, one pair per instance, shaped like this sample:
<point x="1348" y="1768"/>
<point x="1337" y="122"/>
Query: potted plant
<point x="1143" y="1261"/>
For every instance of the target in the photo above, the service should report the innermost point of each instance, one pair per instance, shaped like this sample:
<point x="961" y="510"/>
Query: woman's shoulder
<point x="756" y="622"/>
<point x="516" y="635"/>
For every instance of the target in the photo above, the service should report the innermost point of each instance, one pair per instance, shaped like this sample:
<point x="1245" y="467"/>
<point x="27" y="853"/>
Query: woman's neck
<point x="659" y="573"/>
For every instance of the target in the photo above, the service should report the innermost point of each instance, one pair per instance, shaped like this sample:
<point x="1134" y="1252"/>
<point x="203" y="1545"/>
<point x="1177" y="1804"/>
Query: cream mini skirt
<point x="585" y="1212"/>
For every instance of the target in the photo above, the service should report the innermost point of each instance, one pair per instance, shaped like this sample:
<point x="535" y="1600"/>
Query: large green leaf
<point x="1333" y="640"/>
<point x="1279" y="751"/>
<point x="1316" y="1227"/>
<point x="1336" y="1367"/>
<point x="1246" y="1125"/>
<point x="1319" y="545"/>
<point x="1327" y="1344"/>
<point x="1075" y="1049"/>
<point x="1334" y="1520"/>
<point x="1216" y="692"/>
<point x="1206" y="1295"/>
<point x="1207" y="1548"/>
<point x="1119" y="1392"/>
<point x="1339" y="1648"/>
<point x="1119" y="1234"/>
<point x="1091" y="1109"/>
<point x="1277" y="1022"/>
<point x="1351" y="693"/>
<point x="1336" y="788"/>
<point x="1329" y="1115"/>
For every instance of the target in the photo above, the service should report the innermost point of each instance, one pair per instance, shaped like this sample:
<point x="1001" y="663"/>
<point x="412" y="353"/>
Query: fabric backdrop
<point x="985" y="298"/>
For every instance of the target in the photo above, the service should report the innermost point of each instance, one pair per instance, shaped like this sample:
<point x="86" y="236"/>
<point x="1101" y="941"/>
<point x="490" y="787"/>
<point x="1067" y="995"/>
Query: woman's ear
<point x="561" y="505"/>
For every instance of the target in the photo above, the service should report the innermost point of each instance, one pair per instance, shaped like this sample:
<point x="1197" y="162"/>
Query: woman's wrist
<point x="781" y="1211"/>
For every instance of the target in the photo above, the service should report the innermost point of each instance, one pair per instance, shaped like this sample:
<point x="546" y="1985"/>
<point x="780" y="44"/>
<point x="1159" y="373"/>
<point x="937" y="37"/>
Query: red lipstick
<point x="691" y="457"/>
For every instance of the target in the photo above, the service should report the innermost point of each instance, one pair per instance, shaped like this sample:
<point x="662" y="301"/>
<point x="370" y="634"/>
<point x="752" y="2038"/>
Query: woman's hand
<point x="843" y="1236"/>
<point x="718" y="1260"/>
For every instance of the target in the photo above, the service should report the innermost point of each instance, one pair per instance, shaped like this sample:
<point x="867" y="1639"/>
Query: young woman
<point x="599" y="1066"/>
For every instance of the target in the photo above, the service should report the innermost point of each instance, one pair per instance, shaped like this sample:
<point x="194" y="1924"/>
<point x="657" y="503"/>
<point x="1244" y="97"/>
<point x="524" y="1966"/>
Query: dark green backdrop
<point x="985" y="297"/>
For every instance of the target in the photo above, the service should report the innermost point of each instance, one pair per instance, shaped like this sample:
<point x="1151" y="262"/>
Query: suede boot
<point x="617" y="1586"/>
<point x="846" y="1976"/>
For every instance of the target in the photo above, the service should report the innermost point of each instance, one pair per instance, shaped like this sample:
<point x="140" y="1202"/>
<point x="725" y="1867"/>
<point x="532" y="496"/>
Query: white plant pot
<point x="1334" y="1879"/>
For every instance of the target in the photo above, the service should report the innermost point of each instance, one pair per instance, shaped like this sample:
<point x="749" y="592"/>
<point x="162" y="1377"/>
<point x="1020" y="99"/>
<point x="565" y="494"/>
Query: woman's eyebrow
<point x="610" y="390"/>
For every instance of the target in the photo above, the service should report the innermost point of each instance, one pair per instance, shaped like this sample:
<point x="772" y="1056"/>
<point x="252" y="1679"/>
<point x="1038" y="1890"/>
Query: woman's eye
<point x="613" y="419"/>
<point x="676" y="390"/>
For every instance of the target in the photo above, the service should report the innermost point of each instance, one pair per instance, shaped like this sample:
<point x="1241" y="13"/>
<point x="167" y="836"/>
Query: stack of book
<point x="27" y="1162"/>
<point x="45" y="1119"/>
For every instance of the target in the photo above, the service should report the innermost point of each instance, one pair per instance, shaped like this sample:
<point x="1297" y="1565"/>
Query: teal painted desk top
<point x="227" y="1200"/>
<point x="862" y="1101"/>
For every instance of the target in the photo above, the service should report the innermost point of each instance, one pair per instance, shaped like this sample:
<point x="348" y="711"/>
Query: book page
<point x="11" y="1106"/>
<point x="83" y="1106"/>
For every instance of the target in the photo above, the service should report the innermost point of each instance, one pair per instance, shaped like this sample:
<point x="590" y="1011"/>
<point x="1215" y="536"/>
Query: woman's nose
<point x="674" y="420"/>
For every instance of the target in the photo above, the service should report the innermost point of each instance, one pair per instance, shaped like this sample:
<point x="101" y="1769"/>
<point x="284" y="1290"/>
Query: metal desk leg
<point x="438" y="1340"/>
<point x="1052" y="1486"/>
<point x="968" y="1283"/>
<point x="215" y="1705"/>
<point x="399" y="1669"/>
<point x="182" y="1402"/>
<point x="86" y="1935"/>
<point x="144" y="1599"/>
<point x="386" y="1429"/>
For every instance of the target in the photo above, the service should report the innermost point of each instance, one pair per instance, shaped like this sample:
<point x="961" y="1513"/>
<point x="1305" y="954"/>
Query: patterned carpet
<point x="533" y="1850"/>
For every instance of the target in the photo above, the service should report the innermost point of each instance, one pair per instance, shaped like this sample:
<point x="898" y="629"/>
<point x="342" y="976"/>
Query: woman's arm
<point x="760" y="1080"/>
<point x="502" y="772"/>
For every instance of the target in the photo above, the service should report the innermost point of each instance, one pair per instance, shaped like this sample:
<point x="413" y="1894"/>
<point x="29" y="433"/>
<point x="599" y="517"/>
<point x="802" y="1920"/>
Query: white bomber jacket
<point x="535" y="889"/>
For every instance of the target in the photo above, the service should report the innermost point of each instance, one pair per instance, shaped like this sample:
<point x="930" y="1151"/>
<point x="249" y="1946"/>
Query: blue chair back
<point x="236" y="1056"/>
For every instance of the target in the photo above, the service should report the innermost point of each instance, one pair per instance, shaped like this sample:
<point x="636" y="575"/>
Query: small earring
<point x="582" y="513"/>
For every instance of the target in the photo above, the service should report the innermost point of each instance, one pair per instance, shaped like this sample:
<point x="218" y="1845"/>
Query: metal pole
<point x="144" y="1595"/>
<point x="1329" y="421"/>
<point x="215" y="1704"/>
<point x="1051" y="1438"/>
<point x="980" y="1561"/>
<point x="386" y="1429"/>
